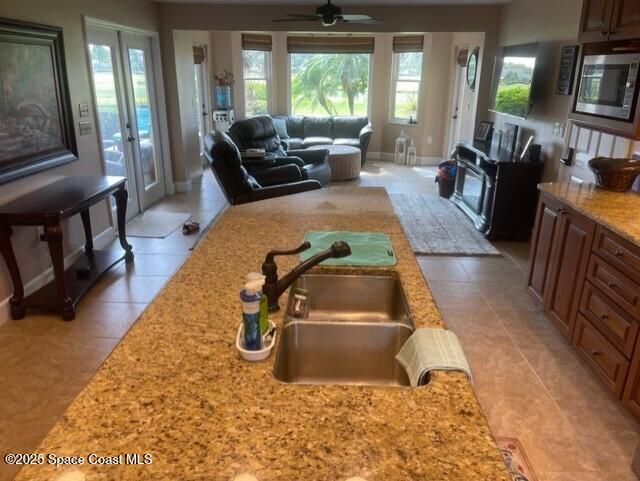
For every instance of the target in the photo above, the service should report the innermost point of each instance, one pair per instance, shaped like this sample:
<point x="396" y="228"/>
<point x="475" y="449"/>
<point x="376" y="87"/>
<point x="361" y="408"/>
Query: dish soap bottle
<point x="251" y="318"/>
<point x="256" y="280"/>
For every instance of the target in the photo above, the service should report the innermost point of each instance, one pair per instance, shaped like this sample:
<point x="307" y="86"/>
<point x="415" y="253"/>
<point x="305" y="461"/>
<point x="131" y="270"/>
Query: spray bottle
<point x="256" y="281"/>
<point x="251" y="318"/>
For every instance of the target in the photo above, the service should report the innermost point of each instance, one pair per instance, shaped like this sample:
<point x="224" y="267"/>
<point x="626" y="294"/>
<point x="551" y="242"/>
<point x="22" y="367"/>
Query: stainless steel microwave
<point x="609" y="85"/>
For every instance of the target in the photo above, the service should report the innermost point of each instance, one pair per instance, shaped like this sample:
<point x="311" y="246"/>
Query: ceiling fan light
<point x="329" y="21"/>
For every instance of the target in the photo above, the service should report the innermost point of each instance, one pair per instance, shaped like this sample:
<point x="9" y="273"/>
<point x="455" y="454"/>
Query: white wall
<point x="32" y="254"/>
<point x="554" y="24"/>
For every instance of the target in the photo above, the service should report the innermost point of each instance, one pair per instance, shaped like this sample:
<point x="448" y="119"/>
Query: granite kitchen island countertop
<point x="618" y="211"/>
<point x="176" y="388"/>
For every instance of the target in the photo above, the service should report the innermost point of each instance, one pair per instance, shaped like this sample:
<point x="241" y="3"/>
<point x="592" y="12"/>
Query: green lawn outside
<point x="106" y="95"/>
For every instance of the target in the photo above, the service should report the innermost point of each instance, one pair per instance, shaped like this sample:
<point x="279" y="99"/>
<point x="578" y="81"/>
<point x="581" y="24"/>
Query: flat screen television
<point x="513" y="80"/>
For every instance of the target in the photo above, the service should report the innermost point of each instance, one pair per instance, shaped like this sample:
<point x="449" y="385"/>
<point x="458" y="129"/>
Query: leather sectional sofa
<point x="298" y="132"/>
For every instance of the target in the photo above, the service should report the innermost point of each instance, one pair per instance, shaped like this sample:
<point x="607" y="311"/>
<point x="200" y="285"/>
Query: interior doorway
<point x="201" y="98"/>
<point x="456" y="111"/>
<point x="124" y="87"/>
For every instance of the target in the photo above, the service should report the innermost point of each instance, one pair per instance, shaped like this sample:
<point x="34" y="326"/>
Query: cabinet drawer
<point x="601" y="356"/>
<point x="618" y="327"/>
<point x="615" y="285"/>
<point x="618" y="252"/>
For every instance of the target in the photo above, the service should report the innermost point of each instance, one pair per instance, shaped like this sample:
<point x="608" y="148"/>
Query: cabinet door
<point x="542" y="246"/>
<point x="596" y="18"/>
<point x="625" y="22"/>
<point x="631" y="396"/>
<point x="572" y="247"/>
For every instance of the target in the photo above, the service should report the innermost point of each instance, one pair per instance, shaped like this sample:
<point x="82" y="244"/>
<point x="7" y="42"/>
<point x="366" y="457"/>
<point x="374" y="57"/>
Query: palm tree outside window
<point x="329" y="83"/>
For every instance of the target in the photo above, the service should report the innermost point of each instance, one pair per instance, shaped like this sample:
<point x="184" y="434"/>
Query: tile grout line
<point x="535" y="373"/>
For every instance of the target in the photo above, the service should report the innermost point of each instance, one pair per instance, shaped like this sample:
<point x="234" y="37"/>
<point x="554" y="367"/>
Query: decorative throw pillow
<point x="281" y="128"/>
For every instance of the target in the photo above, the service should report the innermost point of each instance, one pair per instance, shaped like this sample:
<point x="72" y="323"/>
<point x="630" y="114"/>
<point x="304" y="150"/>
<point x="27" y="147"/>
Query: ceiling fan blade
<point x="303" y="15"/>
<point x="314" y="19"/>
<point x="364" y="19"/>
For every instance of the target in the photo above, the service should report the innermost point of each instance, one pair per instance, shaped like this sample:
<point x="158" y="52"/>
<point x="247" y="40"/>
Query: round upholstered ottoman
<point x="343" y="159"/>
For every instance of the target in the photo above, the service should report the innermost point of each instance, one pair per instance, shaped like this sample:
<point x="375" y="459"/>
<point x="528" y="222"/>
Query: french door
<point x="125" y="97"/>
<point x="201" y="109"/>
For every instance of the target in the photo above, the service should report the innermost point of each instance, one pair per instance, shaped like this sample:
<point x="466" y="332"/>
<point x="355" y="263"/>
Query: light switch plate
<point x="85" y="127"/>
<point x="83" y="108"/>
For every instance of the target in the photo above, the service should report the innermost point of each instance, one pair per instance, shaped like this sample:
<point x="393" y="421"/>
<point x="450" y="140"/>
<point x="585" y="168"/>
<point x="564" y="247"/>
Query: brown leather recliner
<point x="238" y="186"/>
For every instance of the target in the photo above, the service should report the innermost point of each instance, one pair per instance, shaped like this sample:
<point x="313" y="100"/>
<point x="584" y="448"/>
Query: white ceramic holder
<point x="260" y="355"/>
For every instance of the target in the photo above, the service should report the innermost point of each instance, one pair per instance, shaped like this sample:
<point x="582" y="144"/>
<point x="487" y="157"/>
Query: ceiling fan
<point x="329" y="14"/>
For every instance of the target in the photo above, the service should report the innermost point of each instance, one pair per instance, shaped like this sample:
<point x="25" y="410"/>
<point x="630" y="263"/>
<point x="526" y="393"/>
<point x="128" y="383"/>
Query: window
<point x="407" y="73"/>
<point x="255" y="75"/>
<point x="329" y="83"/>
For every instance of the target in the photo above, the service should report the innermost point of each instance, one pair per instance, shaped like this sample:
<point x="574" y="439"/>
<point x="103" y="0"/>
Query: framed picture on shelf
<point x="484" y="131"/>
<point x="36" y="122"/>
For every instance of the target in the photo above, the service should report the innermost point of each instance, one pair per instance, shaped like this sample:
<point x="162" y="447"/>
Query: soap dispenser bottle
<point x="251" y="318"/>
<point x="256" y="280"/>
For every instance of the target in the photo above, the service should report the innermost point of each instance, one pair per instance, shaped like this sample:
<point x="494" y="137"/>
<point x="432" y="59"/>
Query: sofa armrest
<point x="365" y="133"/>
<point x="283" y="174"/>
<point x="314" y="156"/>
<point x="365" y="137"/>
<point x="278" y="190"/>
<point x="289" y="160"/>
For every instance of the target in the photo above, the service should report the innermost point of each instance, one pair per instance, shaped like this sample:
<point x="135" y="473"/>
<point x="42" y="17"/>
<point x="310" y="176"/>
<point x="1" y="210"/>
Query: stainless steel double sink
<point x="356" y="326"/>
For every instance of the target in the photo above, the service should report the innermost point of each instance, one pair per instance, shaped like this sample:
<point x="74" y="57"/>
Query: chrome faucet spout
<point x="274" y="287"/>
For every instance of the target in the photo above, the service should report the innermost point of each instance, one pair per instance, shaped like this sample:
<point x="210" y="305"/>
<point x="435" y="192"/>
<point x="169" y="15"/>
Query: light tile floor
<point x="530" y="383"/>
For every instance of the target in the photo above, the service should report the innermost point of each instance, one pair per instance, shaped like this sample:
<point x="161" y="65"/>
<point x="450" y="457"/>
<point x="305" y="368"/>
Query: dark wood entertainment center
<point x="498" y="194"/>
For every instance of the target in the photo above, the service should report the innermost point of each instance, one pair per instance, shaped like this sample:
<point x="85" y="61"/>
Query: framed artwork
<point x="567" y="70"/>
<point x="484" y="131"/>
<point x="36" y="121"/>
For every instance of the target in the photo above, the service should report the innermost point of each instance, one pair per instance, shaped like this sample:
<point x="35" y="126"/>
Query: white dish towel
<point x="432" y="350"/>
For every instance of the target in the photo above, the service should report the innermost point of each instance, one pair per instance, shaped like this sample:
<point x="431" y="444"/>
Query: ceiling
<point x="389" y="3"/>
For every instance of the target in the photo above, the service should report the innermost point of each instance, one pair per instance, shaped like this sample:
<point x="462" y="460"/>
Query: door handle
<point x="454" y="117"/>
<point x="131" y="138"/>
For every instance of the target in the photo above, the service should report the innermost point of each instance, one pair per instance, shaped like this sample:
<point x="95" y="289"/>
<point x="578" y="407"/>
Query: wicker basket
<point x="617" y="175"/>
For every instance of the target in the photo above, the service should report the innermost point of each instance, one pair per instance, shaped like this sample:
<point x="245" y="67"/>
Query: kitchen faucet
<point x="274" y="287"/>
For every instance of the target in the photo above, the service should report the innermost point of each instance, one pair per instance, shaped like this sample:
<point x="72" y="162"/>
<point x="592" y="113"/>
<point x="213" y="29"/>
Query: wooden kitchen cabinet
<point x="541" y="246"/>
<point x="625" y="22"/>
<point x="587" y="279"/>
<point x="609" y="20"/>
<point x="571" y="249"/>
<point x="560" y="254"/>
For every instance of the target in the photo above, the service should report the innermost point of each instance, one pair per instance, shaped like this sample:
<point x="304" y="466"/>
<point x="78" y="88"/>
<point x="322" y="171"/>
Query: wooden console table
<point x="47" y="207"/>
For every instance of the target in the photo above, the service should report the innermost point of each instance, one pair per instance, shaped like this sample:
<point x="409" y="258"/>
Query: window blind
<point x="198" y="54"/>
<point x="408" y="43"/>
<point x="321" y="44"/>
<point x="252" y="41"/>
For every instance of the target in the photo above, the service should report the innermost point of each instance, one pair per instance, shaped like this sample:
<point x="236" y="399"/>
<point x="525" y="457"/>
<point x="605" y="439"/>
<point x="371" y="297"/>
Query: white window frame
<point x="369" y="87"/>
<point x="394" y="85"/>
<point x="267" y="79"/>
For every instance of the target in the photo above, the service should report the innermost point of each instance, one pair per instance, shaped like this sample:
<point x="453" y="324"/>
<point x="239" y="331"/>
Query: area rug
<point x="435" y="226"/>
<point x="518" y="465"/>
<point x="156" y="224"/>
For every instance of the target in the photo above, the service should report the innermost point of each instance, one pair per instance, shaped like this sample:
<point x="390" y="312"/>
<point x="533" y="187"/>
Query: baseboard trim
<point x="47" y="276"/>
<point x="390" y="157"/>
<point x="186" y="186"/>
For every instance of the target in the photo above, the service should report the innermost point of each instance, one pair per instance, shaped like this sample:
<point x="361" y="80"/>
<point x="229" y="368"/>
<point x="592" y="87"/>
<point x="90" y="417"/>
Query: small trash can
<point x="446" y="178"/>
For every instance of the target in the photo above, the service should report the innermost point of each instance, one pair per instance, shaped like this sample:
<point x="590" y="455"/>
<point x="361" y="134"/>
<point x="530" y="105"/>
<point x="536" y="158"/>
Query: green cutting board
<point x="367" y="248"/>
